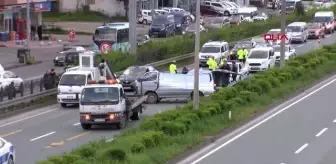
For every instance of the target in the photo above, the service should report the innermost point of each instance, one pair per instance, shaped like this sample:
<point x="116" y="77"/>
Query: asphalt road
<point x="299" y="131"/>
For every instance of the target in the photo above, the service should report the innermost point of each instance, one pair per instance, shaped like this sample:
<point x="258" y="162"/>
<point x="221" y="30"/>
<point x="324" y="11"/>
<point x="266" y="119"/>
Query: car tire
<point x="86" y="126"/>
<point x="226" y="13"/>
<point x="123" y="122"/>
<point x="192" y="94"/>
<point x="135" y="116"/>
<point x="144" y="21"/>
<point x="152" y="98"/>
<point x="64" y="105"/>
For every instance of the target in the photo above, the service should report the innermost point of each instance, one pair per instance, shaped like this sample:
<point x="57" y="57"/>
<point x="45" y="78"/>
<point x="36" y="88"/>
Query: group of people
<point x="49" y="79"/>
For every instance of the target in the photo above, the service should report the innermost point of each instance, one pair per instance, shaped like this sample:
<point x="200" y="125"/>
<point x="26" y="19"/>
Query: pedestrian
<point x="11" y="91"/>
<point x="241" y="55"/>
<point x="212" y="63"/>
<point x="226" y="75"/>
<point x="47" y="80"/>
<point x="39" y="32"/>
<point x="172" y="67"/>
<point x="185" y="70"/>
<point x="234" y="70"/>
<point x="54" y="77"/>
<point x="33" y="32"/>
<point x="245" y="55"/>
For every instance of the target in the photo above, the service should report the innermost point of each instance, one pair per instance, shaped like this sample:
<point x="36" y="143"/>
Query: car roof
<point x="276" y="29"/>
<point x="324" y="13"/>
<point x="215" y="43"/>
<point x="77" y="72"/>
<point x="103" y="85"/>
<point x="297" y="24"/>
<point x="262" y="48"/>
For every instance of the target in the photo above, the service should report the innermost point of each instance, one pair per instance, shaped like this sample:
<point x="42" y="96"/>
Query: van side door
<point x="148" y="82"/>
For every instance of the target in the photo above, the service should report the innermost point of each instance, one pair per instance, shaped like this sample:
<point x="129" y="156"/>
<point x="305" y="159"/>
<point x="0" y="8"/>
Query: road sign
<point x="105" y="47"/>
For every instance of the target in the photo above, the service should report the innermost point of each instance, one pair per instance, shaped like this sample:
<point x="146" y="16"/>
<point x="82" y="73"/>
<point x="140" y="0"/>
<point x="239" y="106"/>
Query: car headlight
<point x="56" y="58"/>
<point x="59" y="90"/>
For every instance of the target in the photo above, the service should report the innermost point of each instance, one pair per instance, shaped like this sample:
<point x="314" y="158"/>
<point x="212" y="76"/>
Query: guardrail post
<point x="21" y="89"/>
<point x="1" y="94"/>
<point x="31" y="87"/>
<point x="41" y="85"/>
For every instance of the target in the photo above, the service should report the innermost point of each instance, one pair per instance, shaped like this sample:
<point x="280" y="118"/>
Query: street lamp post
<point x="196" y="61"/>
<point x="283" y="28"/>
<point x="28" y="24"/>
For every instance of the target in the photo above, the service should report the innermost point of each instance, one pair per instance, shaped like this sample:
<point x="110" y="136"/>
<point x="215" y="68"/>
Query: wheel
<point x="144" y="21"/>
<point x="64" y="105"/>
<point x="86" y="126"/>
<point x="192" y="94"/>
<point x="226" y="13"/>
<point x="123" y="122"/>
<point x="10" y="160"/>
<point x="135" y="116"/>
<point x="152" y="98"/>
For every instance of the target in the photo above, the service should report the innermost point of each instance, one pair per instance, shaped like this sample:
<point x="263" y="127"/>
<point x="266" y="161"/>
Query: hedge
<point x="179" y="45"/>
<point x="165" y="135"/>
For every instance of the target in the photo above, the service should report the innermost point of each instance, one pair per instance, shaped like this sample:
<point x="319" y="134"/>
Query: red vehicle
<point x="236" y="19"/>
<point x="315" y="30"/>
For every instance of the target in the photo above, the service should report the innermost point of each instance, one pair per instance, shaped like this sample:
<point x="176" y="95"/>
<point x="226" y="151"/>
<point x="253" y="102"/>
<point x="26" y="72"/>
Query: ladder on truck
<point x="102" y="71"/>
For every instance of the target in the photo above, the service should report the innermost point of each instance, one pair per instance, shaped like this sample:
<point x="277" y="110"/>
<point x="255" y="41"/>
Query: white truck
<point x="74" y="79"/>
<point x="105" y="103"/>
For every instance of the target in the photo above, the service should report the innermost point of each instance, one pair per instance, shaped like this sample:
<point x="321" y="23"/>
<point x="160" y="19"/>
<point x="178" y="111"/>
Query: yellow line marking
<point x="80" y="135"/>
<point x="11" y="133"/>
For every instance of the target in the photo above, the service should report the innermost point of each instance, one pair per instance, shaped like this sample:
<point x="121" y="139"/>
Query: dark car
<point x="182" y="21"/>
<point x="128" y="77"/>
<point x="162" y="25"/>
<point x="243" y="44"/>
<point x="206" y="9"/>
<point x="59" y="60"/>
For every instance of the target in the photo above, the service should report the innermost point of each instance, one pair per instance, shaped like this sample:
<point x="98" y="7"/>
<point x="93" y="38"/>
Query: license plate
<point x="99" y="120"/>
<point x="127" y="87"/>
<point x="254" y="68"/>
<point x="70" y="97"/>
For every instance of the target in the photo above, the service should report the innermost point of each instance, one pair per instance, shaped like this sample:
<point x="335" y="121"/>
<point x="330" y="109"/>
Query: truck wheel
<point x="135" y="116"/>
<point x="123" y="122"/>
<point x="64" y="105"/>
<point x="152" y="98"/>
<point x="86" y="126"/>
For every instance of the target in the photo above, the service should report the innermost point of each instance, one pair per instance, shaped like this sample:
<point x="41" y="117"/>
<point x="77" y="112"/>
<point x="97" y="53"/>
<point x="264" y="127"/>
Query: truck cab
<point x="105" y="102"/>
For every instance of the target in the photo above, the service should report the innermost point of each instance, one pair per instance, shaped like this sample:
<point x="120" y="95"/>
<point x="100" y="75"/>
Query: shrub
<point x="203" y="113"/>
<point x="115" y="154"/>
<point x="173" y="128"/>
<point x="81" y="162"/>
<point x="56" y="160"/>
<point x="137" y="148"/>
<point x="70" y="158"/>
<point x="151" y="138"/>
<point x="87" y="151"/>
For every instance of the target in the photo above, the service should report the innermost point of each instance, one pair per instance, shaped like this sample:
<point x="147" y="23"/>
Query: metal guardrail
<point x="41" y="92"/>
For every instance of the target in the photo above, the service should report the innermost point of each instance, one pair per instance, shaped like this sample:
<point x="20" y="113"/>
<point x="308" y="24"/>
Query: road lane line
<point x="26" y="118"/>
<point x="45" y="135"/>
<point x="76" y="124"/>
<point x="321" y="132"/>
<point x="11" y="133"/>
<point x="77" y="136"/>
<point x="262" y="122"/>
<point x="301" y="148"/>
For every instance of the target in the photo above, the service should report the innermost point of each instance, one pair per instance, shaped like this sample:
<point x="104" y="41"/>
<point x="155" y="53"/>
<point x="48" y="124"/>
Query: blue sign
<point x="42" y="7"/>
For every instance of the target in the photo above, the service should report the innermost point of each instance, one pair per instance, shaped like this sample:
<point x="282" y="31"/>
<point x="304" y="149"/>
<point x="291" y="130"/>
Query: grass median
<point x="167" y="135"/>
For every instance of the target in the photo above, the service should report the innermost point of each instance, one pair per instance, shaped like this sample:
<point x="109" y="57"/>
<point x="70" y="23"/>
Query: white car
<point x="7" y="152"/>
<point x="6" y="77"/>
<point x="216" y="49"/>
<point x="145" y="17"/>
<point x="74" y="49"/>
<point x="261" y="59"/>
<point x="289" y="52"/>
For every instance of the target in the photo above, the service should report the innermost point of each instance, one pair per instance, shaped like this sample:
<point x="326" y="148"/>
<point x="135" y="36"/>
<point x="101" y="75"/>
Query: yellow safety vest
<point x="214" y="64"/>
<point x="172" y="68"/>
<point x="245" y="53"/>
<point x="241" y="54"/>
<point x="222" y="61"/>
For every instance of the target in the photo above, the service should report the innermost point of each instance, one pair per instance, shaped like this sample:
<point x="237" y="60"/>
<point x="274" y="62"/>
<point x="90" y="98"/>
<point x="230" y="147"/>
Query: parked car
<point x="242" y="44"/>
<point x="191" y="29"/>
<point x="236" y="19"/>
<point x="6" y="77"/>
<point x="7" y="152"/>
<point x="219" y="22"/>
<point x="182" y="20"/>
<point x="315" y="30"/>
<point x="163" y="25"/>
<point x="59" y="60"/>
<point x="207" y="9"/>
<point x="145" y="17"/>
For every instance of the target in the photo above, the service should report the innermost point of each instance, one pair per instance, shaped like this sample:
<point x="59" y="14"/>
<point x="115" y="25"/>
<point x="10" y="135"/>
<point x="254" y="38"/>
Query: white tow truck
<point x="105" y="102"/>
<point x="74" y="79"/>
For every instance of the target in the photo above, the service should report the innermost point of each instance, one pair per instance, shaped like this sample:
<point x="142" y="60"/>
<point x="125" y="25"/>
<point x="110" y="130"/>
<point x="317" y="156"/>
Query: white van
<point x="145" y="17"/>
<point x="297" y="32"/>
<point x="327" y="18"/>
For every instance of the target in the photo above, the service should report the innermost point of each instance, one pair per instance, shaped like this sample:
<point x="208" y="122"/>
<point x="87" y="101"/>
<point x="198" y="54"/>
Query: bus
<point x="115" y="34"/>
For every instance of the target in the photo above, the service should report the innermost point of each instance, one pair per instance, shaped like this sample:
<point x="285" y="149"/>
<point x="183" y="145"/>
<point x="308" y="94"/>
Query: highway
<point x="299" y="131"/>
<point x="53" y="130"/>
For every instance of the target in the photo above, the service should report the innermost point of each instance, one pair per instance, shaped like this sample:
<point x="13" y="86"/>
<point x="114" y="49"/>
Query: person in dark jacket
<point x="53" y="76"/>
<point x="47" y="80"/>
<point x="185" y="70"/>
<point x="11" y="91"/>
<point x="235" y="70"/>
<point x="226" y="76"/>
<point x="33" y="32"/>
<point x="39" y="32"/>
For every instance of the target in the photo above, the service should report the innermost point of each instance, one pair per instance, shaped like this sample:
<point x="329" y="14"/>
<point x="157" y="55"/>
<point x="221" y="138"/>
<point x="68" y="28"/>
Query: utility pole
<point x="132" y="36"/>
<point x="28" y="21"/>
<point x="283" y="28"/>
<point x="152" y="7"/>
<point x="196" y="62"/>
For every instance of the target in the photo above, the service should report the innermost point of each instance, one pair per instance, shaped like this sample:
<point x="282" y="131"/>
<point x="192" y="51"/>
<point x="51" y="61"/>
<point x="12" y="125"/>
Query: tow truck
<point x="105" y="102"/>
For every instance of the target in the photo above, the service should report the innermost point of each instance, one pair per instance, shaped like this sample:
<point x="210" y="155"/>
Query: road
<point x="299" y="131"/>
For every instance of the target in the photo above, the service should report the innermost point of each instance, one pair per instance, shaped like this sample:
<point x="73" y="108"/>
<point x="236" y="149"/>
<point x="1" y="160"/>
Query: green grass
<point x="89" y="16"/>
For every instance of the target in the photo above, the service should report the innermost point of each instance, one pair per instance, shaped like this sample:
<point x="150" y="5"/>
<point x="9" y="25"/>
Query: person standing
<point x="39" y="32"/>
<point x="47" y="80"/>
<point x="245" y="55"/>
<point x="234" y="70"/>
<point x="226" y="78"/>
<point x="241" y="55"/>
<point x="172" y="67"/>
<point x="53" y="77"/>
<point x="185" y="70"/>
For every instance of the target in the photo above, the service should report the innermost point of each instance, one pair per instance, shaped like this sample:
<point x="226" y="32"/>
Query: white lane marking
<point x="45" y="135"/>
<point x="334" y="120"/>
<point x="321" y="132"/>
<point x="76" y="124"/>
<point x="300" y="45"/>
<point x="26" y="118"/>
<point x="301" y="148"/>
<point x="261" y="122"/>
<point x="310" y="42"/>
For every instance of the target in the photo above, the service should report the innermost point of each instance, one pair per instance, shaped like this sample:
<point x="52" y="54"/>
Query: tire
<point x="226" y="13"/>
<point x="64" y="105"/>
<point x="144" y="21"/>
<point x="152" y="98"/>
<point x="86" y="126"/>
<point x="10" y="160"/>
<point x="135" y="116"/>
<point x="123" y="122"/>
<point x="192" y="94"/>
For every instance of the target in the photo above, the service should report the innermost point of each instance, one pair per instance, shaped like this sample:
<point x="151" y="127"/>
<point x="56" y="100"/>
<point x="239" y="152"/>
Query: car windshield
<point x="293" y="28"/>
<point x="322" y="19"/>
<point x="106" y="34"/>
<point x="290" y="4"/>
<point x="73" y="80"/>
<point x="100" y="94"/>
<point x="242" y="45"/>
<point x="313" y="26"/>
<point x="258" y="55"/>
<point x="134" y="70"/>
<point x="159" y="21"/>
<point x="210" y="49"/>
